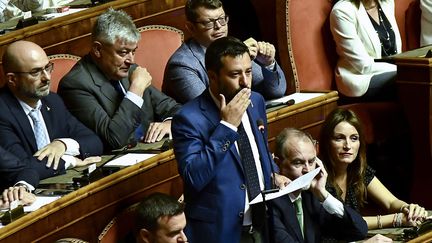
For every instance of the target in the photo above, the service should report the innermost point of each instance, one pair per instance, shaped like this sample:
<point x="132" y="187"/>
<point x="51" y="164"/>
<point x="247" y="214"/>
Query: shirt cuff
<point x="29" y="187"/>
<point x="136" y="99"/>
<point x="333" y="206"/>
<point x="69" y="160"/>
<point x="271" y="67"/>
<point x="72" y="146"/>
<point x="229" y="125"/>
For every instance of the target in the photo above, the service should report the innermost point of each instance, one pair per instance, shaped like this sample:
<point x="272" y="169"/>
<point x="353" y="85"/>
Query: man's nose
<point x="130" y="57"/>
<point x="183" y="237"/>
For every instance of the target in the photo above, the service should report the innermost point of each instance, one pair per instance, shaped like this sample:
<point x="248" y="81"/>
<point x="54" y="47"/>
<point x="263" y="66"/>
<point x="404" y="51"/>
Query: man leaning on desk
<point x="35" y="126"/>
<point x="112" y="95"/>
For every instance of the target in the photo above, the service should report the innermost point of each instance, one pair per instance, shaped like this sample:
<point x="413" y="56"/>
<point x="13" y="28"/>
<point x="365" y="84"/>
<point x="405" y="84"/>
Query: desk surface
<point x="85" y="212"/>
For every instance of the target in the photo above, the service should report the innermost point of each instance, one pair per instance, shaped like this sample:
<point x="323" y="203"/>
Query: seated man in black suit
<point x="40" y="135"/>
<point x="112" y="95"/>
<point x="160" y="219"/>
<point x="309" y="215"/>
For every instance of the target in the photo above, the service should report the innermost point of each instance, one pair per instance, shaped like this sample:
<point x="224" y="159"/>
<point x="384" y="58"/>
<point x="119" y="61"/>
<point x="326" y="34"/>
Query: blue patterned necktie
<point x="252" y="181"/>
<point x="38" y="128"/>
<point x="248" y="162"/>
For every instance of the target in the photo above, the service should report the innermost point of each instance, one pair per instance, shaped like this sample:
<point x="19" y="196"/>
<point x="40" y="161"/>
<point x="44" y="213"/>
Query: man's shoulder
<point x="79" y="70"/>
<point x="184" y="54"/>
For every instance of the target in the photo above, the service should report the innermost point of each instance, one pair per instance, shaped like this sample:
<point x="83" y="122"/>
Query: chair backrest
<point x="157" y="44"/>
<point x="63" y="63"/>
<point x="306" y="44"/>
<point x="120" y="226"/>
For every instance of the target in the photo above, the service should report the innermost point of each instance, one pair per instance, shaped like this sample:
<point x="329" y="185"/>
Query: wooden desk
<point x="414" y="81"/>
<point x="71" y="34"/>
<point x="85" y="212"/>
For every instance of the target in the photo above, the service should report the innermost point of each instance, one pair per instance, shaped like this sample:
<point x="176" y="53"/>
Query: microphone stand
<point x="270" y="237"/>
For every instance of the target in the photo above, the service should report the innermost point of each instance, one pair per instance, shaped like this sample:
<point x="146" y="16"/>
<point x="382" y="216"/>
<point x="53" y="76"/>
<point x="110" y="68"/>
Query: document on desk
<point x="129" y="159"/>
<point x="40" y="201"/>
<point x="297" y="97"/>
<point x="299" y="183"/>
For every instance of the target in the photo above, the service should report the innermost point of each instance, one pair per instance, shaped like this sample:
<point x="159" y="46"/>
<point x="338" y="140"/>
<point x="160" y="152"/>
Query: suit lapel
<point x="199" y="54"/>
<point x="21" y="118"/>
<point x="211" y="112"/>
<point x="370" y="30"/>
<point x="101" y="81"/>
<point x="46" y="114"/>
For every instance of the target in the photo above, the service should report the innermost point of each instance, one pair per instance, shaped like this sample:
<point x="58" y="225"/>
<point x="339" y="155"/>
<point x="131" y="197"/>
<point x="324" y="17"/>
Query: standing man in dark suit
<point x="110" y="94"/>
<point x="185" y="74"/>
<point x="222" y="155"/>
<point x="314" y="214"/>
<point x="35" y="126"/>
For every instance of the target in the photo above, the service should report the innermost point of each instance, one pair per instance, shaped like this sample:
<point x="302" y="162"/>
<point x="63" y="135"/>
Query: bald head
<point x="21" y="55"/>
<point x="27" y="71"/>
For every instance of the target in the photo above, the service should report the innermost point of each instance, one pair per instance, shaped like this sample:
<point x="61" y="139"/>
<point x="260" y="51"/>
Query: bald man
<point x="35" y="126"/>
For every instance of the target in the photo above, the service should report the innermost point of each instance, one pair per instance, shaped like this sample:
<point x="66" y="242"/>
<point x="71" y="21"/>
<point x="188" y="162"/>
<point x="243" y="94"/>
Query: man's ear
<point x="11" y="80"/>
<point x="190" y="27"/>
<point x="97" y="48"/>
<point x="145" y="235"/>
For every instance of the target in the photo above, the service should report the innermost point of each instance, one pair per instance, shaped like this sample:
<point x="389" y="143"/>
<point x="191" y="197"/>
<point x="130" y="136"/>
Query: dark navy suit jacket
<point x="17" y="138"/>
<point x="209" y="163"/>
<point x="317" y="222"/>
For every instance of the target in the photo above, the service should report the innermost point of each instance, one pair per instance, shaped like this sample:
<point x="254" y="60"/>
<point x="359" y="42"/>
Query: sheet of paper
<point x="40" y="201"/>
<point x="298" y="97"/>
<point x="129" y="159"/>
<point x="301" y="182"/>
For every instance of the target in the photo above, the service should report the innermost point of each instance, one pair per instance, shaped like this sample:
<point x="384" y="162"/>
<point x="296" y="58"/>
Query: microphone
<point x="260" y="125"/>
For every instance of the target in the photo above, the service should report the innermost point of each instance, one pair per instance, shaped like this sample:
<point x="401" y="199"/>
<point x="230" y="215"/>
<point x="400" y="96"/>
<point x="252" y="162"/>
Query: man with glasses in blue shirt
<point x="185" y="74"/>
<point x="35" y="126"/>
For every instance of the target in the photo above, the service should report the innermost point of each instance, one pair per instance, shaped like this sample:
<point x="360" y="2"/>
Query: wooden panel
<point x="71" y="34"/>
<point x="414" y="80"/>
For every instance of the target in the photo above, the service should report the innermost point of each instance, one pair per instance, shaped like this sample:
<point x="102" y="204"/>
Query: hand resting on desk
<point x="16" y="193"/>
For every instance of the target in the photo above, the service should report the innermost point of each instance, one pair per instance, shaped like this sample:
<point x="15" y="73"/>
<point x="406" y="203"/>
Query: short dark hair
<point x="192" y="5"/>
<point x="225" y="46"/>
<point x="155" y="206"/>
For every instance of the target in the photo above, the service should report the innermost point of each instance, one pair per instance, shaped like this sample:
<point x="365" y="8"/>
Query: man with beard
<point x="35" y="126"/>
<point x="112" y="95"/>
<point x="222" y="155"/>
<point x="185" y="74"/>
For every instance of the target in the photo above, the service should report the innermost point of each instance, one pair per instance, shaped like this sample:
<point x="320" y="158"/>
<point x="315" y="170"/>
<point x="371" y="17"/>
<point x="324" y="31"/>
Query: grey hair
<point x="115" y="25"/>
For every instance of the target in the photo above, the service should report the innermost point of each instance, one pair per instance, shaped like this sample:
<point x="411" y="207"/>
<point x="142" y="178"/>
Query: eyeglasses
<point x="37" y="72"/>
<point x="210" y="24"/>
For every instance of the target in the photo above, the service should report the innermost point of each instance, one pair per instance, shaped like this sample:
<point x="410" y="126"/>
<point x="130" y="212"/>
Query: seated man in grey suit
<point x="185" y="74"/>
<point x="112" y="95"/>
<point x="35" y="126"/>
<point x="309" y="215"/>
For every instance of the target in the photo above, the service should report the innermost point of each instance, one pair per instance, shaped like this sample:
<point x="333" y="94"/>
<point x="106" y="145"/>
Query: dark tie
<point x="248" y="162"/>
<point x="41" y="139"/>
<point x="252" y="181"/>
<point x="138" y="131"/>
<point x="299" y="212"/>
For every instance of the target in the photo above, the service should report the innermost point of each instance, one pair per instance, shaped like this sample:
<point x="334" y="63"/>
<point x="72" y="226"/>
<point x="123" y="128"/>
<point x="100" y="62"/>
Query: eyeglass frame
<point x="213" y="21"/>
<point x="37" y="72"/>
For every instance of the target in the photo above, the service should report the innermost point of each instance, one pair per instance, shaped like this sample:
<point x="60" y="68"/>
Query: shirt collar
<point x="27" y="109"/>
